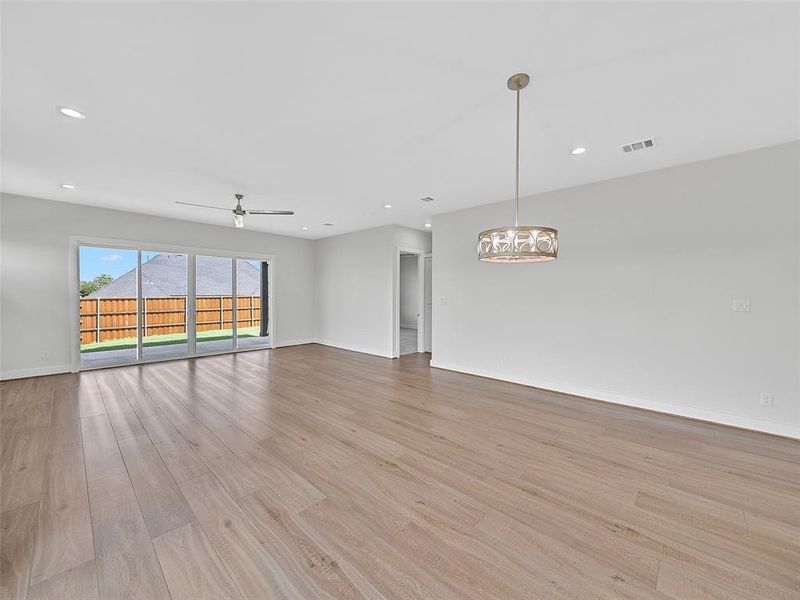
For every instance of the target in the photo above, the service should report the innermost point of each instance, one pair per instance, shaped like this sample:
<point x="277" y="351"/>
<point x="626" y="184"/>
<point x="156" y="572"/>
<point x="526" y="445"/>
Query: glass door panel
<point x="108" y="293"/>
<point x="134" y="305"/>
<point x="252" y="319"/>
<point x="214" y="304"/>
<point x="163" y="318"/>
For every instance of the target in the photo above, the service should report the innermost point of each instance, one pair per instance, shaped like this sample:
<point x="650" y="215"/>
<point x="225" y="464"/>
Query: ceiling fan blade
<point x="270" y="212"/>
<point x="202" y="205"/>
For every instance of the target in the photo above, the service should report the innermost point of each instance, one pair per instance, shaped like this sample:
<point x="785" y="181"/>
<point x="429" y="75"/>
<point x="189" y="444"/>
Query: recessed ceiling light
<point x="327" y="224"/>
<point x="387" y="206"/>
<point x="578" y="150"/>
<point x="67" y="186"/>
<point x="427" y="225"/>
<point x="427" y="199"/>
<point x="304" y="227"/>
<point x="71" y="112"/>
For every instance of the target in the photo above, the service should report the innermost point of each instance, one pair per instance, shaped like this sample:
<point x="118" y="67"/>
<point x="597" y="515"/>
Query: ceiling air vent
<point x="640" y="145"/>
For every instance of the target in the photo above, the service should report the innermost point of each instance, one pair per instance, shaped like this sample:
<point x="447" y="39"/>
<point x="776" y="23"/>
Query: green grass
<point x="168" y="339"/>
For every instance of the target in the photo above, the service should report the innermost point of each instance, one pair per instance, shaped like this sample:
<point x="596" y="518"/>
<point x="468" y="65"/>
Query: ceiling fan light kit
<point x="238" y="212"/>
<point x="518" y="243"/>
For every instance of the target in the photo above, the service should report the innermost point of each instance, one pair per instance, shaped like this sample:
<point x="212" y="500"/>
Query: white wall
<point x="35" y="288"/>
<point x="409" y="291"/>
<point x="412" y="239"/>
<point x="354" y="290"/>
<point x="356" y="304"/>
<point x="637" y="308"/>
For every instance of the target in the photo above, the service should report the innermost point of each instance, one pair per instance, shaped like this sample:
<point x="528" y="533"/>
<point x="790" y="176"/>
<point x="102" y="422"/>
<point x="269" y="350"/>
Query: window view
<point x="107" y="306"/>
<point x="110" y="292"/>
<point x="214" y="289"/>
<point x="164" y="323"/>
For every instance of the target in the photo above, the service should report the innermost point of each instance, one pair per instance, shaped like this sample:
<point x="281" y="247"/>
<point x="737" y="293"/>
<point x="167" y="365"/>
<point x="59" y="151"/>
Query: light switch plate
<point x="741" y="306"/>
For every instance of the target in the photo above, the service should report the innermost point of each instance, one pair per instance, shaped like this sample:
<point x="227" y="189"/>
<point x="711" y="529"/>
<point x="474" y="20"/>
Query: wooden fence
<point x="115" y="318"/>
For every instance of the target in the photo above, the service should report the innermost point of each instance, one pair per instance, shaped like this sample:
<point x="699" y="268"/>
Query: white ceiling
<point x="334" y="109"/>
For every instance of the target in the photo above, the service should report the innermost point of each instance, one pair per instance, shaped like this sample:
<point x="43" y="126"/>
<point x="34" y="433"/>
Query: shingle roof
<point x="165" y="275"/>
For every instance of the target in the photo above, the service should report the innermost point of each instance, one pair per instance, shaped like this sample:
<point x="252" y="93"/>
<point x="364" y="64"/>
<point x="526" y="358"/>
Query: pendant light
<point x="518" y="243"/>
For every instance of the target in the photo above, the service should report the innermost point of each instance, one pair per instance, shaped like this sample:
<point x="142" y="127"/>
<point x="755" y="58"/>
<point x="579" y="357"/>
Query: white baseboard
<point x="300" y="342"/>
<point x="734" y="420"/>
<point x="37" y="372"/>
<point x="361" y="349"/>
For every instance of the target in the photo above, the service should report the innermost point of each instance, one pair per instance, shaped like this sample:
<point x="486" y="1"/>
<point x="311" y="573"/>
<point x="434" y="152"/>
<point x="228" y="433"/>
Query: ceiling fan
<point x="239" y="212"/>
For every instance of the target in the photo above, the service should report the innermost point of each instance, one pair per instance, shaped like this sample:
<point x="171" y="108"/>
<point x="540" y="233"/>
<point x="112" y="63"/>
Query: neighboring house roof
<point x="165" y="275"/>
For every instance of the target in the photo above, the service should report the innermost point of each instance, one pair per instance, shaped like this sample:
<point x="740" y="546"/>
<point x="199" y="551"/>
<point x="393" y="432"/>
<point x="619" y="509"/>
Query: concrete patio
<point x="108" y="358"/>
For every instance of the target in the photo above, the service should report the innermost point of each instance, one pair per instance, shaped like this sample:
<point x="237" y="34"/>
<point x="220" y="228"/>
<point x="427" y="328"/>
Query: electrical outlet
<point x="45" y="355"/>
<point x="765" y="399"/>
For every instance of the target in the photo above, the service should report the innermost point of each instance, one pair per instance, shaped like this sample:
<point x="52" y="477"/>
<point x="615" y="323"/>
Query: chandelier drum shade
<point x="518" y="243"/>
<point x="521" y="243"/>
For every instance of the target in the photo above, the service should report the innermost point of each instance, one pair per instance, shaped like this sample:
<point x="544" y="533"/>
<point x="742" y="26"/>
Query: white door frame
<point x="191" y="252"/>
<point x="427" y="322"/>
<point x="420" y="254"/>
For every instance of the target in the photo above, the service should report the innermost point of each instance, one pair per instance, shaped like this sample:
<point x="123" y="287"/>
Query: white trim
<point x="721" y="418"/>
<point x="36" y="372"/>
<point x="425" y="322"/>
<point x="74" y="305"/>
<point x="234" y="300"/>
<point x="191" y="304"/>
<point x="362" y="350"/>
<point x="140" y="301"/>
<point x="421" y="301"/>
<point x="299" y="342"/>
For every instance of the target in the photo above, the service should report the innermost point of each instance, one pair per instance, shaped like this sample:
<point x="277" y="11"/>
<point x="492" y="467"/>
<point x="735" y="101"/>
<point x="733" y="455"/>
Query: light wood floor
<point x="311" y="472"/>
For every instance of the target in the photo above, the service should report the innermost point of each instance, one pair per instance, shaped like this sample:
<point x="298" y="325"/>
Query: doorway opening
<point x="409" y="302"/>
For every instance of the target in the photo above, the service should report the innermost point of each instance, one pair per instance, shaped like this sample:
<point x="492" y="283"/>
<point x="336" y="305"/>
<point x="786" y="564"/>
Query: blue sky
<point x="111" y="261"/>
<point x="114" y="261"/>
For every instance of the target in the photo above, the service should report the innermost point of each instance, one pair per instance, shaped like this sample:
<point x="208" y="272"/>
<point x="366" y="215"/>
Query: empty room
<point x="400" y="300"/>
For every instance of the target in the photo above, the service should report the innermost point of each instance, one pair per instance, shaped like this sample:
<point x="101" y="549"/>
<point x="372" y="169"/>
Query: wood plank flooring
<point x="312" y="472"/>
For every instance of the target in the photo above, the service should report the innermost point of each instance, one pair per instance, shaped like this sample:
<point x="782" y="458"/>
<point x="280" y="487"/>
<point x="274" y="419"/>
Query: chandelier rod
<point x="516" y="174"/>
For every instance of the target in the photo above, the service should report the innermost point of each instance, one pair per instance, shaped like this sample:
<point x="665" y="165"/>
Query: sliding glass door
<point x="138" y="305"/>
<point x="163" y="305"/>
<point x="214" y="277"/>
<point x="108" y="289"/>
